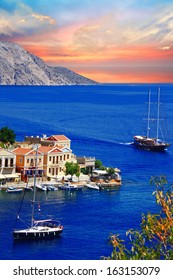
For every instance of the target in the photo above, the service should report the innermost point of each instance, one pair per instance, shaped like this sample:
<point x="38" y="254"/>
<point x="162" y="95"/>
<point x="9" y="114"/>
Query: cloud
<point x="130" y="27"/>
<point x="22" y="21"/>
<point x="44" y="18"/>
<point x="165" y="48"/>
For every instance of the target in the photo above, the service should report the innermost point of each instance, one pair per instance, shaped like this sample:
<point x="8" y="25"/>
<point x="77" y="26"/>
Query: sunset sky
<point x="105" y="40"/>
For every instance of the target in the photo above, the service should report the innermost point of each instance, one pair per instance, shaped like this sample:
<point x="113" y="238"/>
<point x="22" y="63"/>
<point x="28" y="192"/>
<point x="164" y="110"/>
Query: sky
<point x="112" y="41"/>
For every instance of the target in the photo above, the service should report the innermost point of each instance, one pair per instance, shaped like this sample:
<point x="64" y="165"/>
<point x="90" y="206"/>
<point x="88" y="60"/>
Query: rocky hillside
<point x="19" y="67"/>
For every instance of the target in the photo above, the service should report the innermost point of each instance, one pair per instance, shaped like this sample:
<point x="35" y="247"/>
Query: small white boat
<point x="51" y="188"/>
<point x="41" y="187"/>
<point x="69" y="187"/>
<point x="94" y="187"/>
<point x="13" y="190"/>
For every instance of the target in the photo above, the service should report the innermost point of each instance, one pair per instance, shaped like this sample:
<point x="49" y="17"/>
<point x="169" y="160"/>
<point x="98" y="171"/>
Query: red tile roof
<point x="24" y="151"/>
<point x="47" y="149"/>
<point x="58" y="137"/>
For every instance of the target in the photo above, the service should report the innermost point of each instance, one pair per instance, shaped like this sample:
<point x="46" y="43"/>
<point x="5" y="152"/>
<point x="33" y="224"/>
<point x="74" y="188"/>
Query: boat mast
<point x="158" y="113"/>
<point x="148" y="119"/>
<point x="35" y="177"/>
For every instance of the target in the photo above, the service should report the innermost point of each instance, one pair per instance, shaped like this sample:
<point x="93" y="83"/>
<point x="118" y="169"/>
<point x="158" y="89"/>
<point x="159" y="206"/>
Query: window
<point x="11" y="162"/>
<point x="6" y="162"/>
<point x="0" y="162"/>
<point x="68" y="156"/>
<point x="49" y="158"/>
<point x="27" y="160"/>
<point x="20" y="160"/>
<point x="64" y="157"/>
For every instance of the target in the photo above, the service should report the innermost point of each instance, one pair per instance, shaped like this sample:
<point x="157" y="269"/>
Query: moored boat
<point x="51" y="188"/>
<point x="37" y="229"/>
<point x="41" y="187"/>
<point x="93" y="186"/>
<point x="70" y="187"/>
<point x="40" y="230"/>
<point x="13" y="190"/>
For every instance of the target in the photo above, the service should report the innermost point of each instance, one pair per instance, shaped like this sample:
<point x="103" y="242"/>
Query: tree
<point x="7" y="136"/>
<point x="99" y="165"/>
<point x="72" y="168"/>
<point x="154" y="240"/>
<point x="84" y="171"/>
<point x="78" y="174"/>
<point x="111" y="171"/>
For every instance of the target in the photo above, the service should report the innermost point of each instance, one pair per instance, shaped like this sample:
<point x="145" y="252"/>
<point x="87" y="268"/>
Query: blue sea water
<point x="100" y="121"/>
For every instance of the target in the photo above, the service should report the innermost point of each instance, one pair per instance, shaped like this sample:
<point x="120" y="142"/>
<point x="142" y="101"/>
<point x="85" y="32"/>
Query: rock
<point x="19" y="67"/>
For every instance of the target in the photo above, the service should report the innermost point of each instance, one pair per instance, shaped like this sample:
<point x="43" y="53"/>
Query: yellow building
<point x="55" y="159"/>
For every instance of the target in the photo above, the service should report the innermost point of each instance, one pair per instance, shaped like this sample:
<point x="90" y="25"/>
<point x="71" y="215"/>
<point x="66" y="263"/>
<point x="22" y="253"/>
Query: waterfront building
<point x="8" y="166"/>
<point x="60" y="140"/>
<point x="26" y="162"/>
<point x="87" y="163"/>
<point x="53" y="140"/>
<point x="53" y="153"/>
<point x="55" y="159"/>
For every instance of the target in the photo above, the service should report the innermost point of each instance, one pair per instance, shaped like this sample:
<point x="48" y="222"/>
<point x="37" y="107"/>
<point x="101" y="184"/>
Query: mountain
<point x="19" y="67"/>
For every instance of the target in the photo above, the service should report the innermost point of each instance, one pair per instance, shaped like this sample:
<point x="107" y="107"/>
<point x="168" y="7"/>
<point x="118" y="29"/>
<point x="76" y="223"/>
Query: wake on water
<point x="129" y="143"/>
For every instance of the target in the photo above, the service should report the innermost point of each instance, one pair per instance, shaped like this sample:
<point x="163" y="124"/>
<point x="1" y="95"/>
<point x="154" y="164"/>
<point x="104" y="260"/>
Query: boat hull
<point x="151" y="147"/>
<point x="93" y="187"/>
<point x="14" y="190"/>
<point x="44" y="234"/>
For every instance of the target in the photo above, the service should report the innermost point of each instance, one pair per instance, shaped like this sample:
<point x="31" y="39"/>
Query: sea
<point x="101" y="122"/>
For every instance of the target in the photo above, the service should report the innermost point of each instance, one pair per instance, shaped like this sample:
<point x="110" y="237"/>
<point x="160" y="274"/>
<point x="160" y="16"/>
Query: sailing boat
<point x="38" y="229"/>
<point x="146" y="142"/>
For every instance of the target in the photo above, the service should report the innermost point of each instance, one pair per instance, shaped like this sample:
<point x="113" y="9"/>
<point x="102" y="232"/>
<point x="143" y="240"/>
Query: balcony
<point x="32" y="165"/>
<point x="59" y="163"/>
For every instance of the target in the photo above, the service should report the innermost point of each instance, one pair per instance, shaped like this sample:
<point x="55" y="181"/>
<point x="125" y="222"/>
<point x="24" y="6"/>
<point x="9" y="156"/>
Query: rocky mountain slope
<point x="19" y="67"/>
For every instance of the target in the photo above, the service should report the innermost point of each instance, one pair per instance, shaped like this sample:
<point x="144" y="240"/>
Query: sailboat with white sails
<point x="147" y="142"/>
<point x="38" y="229"/>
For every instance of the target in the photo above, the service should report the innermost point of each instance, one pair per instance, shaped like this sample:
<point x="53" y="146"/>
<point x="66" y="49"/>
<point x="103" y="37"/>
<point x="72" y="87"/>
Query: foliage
<point x="99" y="165"/>
<point x="111" y="171"/>
<point x="78" y="174"/>
<point x="7" y="136"/>
<point x="72" y="169"/>
<point x="84" y="171"/>
<point x="154" y="240"/>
